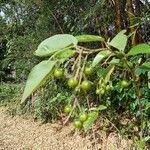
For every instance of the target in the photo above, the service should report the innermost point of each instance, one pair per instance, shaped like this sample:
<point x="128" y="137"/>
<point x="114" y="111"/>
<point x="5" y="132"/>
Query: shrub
<point x="111" y="82"/>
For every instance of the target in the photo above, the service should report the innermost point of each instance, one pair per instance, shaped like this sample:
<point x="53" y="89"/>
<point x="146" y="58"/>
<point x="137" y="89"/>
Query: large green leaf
<point x="100" y="56"/>
<point x="139" y="49"/>
<point x="119" y="41"/>
<point x="55" y="43"/>
<point x="92" y="116"/>
<point x="89" y="38"/>
<point x="37" y="77"/>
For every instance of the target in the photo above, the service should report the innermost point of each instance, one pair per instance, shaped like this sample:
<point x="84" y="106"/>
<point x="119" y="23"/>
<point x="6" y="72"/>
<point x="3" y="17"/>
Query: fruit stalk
<point x="74" y="106"/>
<point x="78" y="65"/>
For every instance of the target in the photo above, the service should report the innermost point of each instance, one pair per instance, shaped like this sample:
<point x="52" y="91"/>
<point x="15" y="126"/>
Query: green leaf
<point x="92" y="116"/>
<point x="100" y="72"/>
<point x="119" y="41"/>
<point x="139" y="49"/>
<point x="118" y="88"/>
<point x="55" y="43"/>
<point x="145" y="66"/>
<point x="141" y="144"/>
<point x="37" y="77"/>
<point x="132" y="93"/>
<point x="147" y="105"/>
<point x="147" y="138"/>
<point x="89" y="38"/>
<point x="100" y="56"/>
<point x="148" y="79"/>
<point x="101" y="107"/>
<point x="130" y="64"/>
<point x="114" y="61"/>
<point x="65" y="54"/>
<point x="139" y="71"/>
<point x="110" y="71"/>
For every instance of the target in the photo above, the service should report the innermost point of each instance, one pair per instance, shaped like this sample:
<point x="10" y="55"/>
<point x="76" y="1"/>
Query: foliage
<point x="89" y="44"/>
<point x="130" y="90"/>
<point x="10" y="97"/>
<point x="8" y="92"/>
<point x="50" y="103"/>
<point x="38" y="75"/>
<point x="89" y="122"/>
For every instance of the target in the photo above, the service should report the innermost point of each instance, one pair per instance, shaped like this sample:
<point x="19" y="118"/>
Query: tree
<point x="118" y="20"/>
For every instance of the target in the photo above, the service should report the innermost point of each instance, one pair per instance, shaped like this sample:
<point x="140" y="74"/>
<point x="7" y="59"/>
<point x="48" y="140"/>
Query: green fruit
<point x="72" y="82"/>
<point x="97" y="91"/>
<point x="125" y="84"/>
<point x="103" y="85"/>
<point x="86" y="85"/>
<point x="67" y="109"/>
<point x="83" y="117"/>
<point x="58" y="73"/>
<point x="88" y="70"/>
<point x="78" y="124"/>
<point x="109" y="88"/>
<point x="102" y="91"/>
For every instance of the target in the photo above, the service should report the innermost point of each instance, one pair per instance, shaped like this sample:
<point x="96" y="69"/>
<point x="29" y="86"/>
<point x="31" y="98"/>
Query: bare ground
<point x="18" y="133"/>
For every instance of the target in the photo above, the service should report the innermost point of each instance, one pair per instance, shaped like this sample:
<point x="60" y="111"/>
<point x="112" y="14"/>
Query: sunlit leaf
<point x="100" y="56"/>
<point x="110" y="71"/>
<point x="139" y="49"/>
<point x="55" y="43"/>
<point x="119" y="41"/>
<point x="89" y="38"/>
<point x="38" y="75"/>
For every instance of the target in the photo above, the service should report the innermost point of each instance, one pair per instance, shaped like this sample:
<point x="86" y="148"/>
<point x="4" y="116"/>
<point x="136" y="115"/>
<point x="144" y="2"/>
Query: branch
<point x="57" y="22"/>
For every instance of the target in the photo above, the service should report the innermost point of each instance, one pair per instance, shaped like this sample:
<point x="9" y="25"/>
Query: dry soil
<point x="19" y="133"/>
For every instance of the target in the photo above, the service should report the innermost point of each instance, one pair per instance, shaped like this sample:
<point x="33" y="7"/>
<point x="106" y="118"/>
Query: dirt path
<point x="18" y="133"/>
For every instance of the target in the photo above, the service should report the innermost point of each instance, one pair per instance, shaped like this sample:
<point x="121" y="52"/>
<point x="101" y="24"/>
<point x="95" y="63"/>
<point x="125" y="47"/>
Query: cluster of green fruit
<point x="106" y="88"/>
<point x="59" y="72"/>
<point x="79" y="123"/>
<point x="82" y="118"/>
<point x="73" y="82"/>
<point x="86" y="84"/>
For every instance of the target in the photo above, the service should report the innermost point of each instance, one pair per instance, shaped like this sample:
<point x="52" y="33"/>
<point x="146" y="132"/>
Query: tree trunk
<point x="118" y="19"/>
<point x="97" y="24"/>
<point x="138" y="12"/>
<point x="130" y="17"/>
